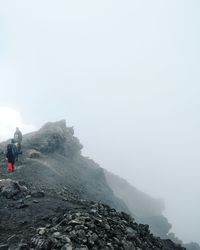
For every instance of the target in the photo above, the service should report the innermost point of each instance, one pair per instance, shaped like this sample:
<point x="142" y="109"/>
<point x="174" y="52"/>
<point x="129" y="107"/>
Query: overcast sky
<point x="126" y="75"/>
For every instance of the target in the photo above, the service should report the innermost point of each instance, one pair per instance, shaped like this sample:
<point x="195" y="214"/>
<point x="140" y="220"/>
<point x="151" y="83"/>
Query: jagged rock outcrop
<point x="54" y="137"/>
<point x="52" y="159"/>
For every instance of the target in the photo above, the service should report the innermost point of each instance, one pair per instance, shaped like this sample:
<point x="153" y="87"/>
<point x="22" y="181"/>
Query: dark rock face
<point x="143" y="207"/>
<point x="141" y="204"/>
<point x="54" y="137"/>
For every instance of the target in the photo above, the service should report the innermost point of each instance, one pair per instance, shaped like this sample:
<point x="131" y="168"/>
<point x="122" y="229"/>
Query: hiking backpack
<point x="10" y="150"/>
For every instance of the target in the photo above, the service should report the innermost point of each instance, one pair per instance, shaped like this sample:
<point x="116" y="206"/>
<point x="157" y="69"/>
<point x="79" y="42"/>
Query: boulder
<point x="11" y="189"/>
<point x="32" y="153"/>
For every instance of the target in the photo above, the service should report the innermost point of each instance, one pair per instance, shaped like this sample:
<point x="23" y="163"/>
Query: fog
<point x="125" y="74"/>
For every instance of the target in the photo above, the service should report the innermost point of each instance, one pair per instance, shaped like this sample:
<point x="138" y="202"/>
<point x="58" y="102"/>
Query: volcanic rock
<point x="11" y="189"/>
<point x="73" y="231"/>
<point x="53" y="170"/>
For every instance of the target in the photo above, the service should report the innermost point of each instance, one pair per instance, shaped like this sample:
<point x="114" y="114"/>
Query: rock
<point x="32" y="153"/>
<point x="23" y="246"/>
<point x="93" y="211"/>
<point x="67" y="246"/>
<point x="23" y="222"/>
<point x="53" y="137"/>
<point x="75" y="222"/>
<point x="64" y="199"/>
<point x="22" y="205"/>
<point x="65" y="239"/>
<point x="23" y="189"/>
<point x="131" y="232"/>
<point x="4" y="247"/>
<point x="37" y="194"/>
<point x="13" y="239"/>
<point x="106" y="229"/>
<point x="92" y="239"/>
<point x="81" y="248"/>
<point x="56" y="234"/>
<point x="9" y="188"/>
<point x="41" y="230"/>
<point x="35" y="201"/>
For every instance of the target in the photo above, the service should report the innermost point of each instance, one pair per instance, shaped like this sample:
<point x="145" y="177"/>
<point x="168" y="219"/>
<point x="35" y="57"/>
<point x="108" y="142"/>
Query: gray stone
<point x="107" y="227"/>
<point x="81" y="248"/>
<point x="13" y="239"/>
<point x="67" y="246"/>
<point x="131" y="232"/>
<point x="37" y="194"/>
<point x="23" y="246"/>
<point x="32" y="153"/>
<point x="56" y="234"/>
<point x="9" y="188"/>
<point x="35" y="201"/>
<point x="42" y="230"/>
<point x="4" y="247"/>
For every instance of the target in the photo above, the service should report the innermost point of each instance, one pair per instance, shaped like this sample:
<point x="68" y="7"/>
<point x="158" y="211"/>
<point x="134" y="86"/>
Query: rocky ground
<point x="58" y="199"/>
<point x="44" y="219"/>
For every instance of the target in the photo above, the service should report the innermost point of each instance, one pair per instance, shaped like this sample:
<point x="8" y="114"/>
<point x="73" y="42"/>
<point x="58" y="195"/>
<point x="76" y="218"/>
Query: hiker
<point x="18" y="139"/>
<point x="11" y="155"/>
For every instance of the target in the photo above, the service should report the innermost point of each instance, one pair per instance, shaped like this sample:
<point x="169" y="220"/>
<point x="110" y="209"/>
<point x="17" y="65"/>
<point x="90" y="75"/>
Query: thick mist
<point x="125" y="75"/>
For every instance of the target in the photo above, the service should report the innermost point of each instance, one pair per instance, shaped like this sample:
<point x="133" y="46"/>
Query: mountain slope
<point x="33" y="219"/>
<point x="52" y="159"/>
<point x="52" y="163"/>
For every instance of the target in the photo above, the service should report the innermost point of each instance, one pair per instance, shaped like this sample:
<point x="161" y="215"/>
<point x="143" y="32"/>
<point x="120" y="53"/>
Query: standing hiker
<point x="18" y="139"/>
<point x="11" y="155"/>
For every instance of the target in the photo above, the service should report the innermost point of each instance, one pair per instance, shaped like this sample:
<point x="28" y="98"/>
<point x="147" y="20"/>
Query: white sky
<point x="9" y="120"/>
<point x="126" y="75"/>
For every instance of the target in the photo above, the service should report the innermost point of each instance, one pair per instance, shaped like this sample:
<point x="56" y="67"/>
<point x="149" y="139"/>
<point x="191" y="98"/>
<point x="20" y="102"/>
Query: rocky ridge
<point x="64" y="222"/>
<point x="52" y="177"/>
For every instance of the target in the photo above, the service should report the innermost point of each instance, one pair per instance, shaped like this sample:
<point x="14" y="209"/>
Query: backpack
<point x="10" y="150"/>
